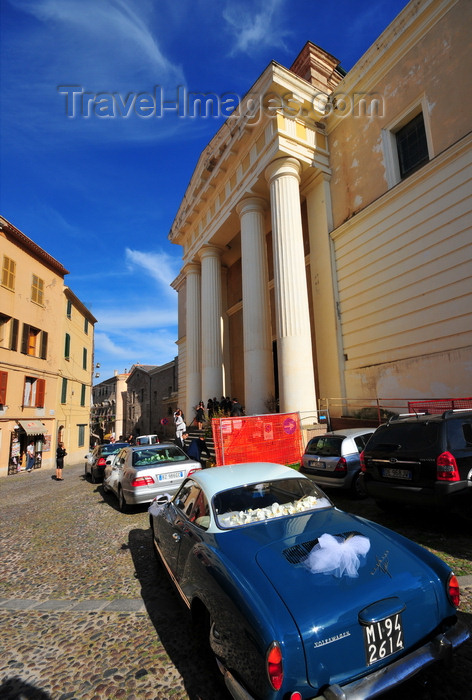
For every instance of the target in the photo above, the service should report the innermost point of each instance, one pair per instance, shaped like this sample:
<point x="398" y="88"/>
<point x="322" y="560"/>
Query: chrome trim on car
<point x="386" y="678"/>
<point x="235" y="688"/>
<point x="174" y="580"/>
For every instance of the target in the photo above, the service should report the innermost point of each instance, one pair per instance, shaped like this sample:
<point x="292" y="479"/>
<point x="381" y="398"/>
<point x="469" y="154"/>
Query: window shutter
<point x="24" y="339"/>
<point x="14" y="334"/>
<point x="44" y="345"/>
<point x="3" y="387"/>
<point x="40" y="392"/>
<point x="67" y="347"/>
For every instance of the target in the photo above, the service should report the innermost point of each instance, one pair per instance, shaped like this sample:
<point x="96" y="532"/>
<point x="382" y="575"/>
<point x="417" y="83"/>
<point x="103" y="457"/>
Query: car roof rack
<point x="397" y="416"/>
<point x="452" y="411"/>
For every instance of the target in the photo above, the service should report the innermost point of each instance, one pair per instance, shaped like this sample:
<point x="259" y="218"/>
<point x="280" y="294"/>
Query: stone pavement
<point x="86" y="613"/>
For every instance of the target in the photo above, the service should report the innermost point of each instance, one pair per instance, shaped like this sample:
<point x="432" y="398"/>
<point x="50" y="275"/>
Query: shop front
<point x="26" y="432"/>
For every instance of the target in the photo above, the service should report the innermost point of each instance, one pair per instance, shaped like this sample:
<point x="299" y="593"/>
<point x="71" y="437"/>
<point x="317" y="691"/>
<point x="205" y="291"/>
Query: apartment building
<point x="46" y="355"/>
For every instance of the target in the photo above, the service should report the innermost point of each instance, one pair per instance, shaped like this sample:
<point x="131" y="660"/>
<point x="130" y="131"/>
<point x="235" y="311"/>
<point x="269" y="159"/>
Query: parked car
<point x="137" y="474"/>
<point x="297" y="597"/>
<point x="333" y="459"/>
<point x="95" y="460"/>
<point x="422" y="460"/>
<point x="147" y="440"/>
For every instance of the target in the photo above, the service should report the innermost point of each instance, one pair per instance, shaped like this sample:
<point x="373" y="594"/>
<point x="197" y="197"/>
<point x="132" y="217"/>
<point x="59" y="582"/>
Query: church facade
<point x="326" y="229"/>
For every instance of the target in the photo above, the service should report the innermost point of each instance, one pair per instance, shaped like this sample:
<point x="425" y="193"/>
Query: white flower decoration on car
<point x="338" y="556"/>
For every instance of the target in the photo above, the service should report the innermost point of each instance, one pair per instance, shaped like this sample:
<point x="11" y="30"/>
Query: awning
<point x="33" y="427"/>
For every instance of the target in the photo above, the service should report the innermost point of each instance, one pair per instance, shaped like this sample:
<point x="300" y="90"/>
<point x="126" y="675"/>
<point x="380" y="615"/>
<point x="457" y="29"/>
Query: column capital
<point x="210" y="251"/>
<point x="283" y="166"/>
<point x="192" y="267"/>
<point x="257" y="204"/>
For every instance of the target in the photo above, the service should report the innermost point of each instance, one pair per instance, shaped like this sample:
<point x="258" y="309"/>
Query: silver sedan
<point x="138" y="474"/>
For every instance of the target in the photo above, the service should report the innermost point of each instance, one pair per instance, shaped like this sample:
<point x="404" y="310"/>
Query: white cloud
<point x="162" y="267"/>
<point x="255" y="25"/>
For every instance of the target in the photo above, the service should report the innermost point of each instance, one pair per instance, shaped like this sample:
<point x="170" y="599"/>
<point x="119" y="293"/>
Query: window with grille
<point x="412" y="146"/>
<point x="407" y="142"/>
<point x="81" y="436"/>
<point x="84" y="359"/>
<point x="82" y="395"/>
<point x="8" y="273"/>
<point x="37" y="290"/>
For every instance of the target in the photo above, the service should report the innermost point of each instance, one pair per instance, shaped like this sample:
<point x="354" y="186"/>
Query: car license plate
<point x="316" y="465"/>
<point x="170" y="475"/>
<point x="397" y="473"/>
<point x="383" y="638"/>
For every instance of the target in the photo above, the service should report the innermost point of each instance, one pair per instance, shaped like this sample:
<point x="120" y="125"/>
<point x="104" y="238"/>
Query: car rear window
<point x="152" y="456"/>
<point x="253" y="503"/>
<point x="405" y="436"/>
<point x="325" y="446"/>
<point x="113" y="448"/>
<point x="459" y="434"/>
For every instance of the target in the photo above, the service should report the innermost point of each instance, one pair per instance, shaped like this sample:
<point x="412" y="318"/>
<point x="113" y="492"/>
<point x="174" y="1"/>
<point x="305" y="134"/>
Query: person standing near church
<point x="60" y="454"/>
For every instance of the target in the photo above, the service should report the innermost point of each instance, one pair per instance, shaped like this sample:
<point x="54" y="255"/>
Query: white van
<point x="146" y="440"/>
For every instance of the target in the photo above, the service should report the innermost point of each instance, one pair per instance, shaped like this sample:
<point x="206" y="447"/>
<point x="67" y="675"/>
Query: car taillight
<point x="362" y="461"/>
<point x="101" y="462"/>
<point x="197" y="469"/>
<point x="275" y="669"/>
<point x="142" y="481"/>
<point x="446" y="467"/>
<point x="453" y="591"/>
<point x="341" y="466"/>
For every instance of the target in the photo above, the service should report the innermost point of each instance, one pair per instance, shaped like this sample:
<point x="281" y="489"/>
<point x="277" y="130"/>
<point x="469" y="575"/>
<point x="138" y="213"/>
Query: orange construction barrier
<point x="275" y="437"/>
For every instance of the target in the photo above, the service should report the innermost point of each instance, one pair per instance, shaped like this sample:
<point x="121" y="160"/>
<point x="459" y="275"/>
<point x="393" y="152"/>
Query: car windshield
<point x="158" y="455"/>
<point x="325" y="446"/>
<point x="253" y="503"/>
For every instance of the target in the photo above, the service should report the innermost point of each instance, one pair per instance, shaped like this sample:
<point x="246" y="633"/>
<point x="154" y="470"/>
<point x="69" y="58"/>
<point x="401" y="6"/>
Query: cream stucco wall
<point x="48" y="316"/>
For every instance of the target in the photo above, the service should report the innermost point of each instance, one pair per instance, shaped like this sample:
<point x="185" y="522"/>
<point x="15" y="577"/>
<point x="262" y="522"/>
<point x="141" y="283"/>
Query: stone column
<point x="212" y="350"/>
<point x="258" y="365"/>
<point x="294" y="350"/>
<point x="193" y="335"/>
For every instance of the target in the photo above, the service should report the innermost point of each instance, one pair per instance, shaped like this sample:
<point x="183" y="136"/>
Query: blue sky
<point x="97" y="183"/>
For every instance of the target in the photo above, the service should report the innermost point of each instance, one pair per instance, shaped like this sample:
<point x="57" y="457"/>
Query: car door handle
<point x="176" y="536"/>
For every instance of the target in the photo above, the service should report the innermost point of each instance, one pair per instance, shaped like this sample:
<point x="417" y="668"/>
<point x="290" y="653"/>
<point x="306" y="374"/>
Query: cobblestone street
<point x="87" y="613"/>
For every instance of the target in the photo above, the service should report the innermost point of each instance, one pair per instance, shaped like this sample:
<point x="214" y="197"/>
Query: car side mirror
<point x="162" y="500"/>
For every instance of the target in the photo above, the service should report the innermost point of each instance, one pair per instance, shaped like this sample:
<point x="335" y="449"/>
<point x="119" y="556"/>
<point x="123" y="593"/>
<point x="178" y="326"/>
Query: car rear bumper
<point x="438" y="649"/>
<point x="138" y="497"/>
<point x="440" y="494"/>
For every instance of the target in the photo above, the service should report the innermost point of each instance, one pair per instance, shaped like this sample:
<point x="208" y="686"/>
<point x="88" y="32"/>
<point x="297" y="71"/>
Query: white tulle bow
<point x="338" y="556"/>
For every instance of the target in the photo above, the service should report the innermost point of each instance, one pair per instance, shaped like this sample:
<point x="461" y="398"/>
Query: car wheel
<point x="357" y="487"/>
<point x="122" y="505"/>
<point x="387" y="506"/>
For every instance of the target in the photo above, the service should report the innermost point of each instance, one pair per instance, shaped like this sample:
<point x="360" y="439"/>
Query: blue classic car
<point x="299" y="599"/>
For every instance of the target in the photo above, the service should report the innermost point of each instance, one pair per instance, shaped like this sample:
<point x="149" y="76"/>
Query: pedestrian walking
<point x="60" y="454"/>
<point x="30" y="456"/>
<point x="180" y="428"/>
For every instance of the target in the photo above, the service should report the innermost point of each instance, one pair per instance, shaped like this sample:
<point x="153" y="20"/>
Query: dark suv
<point x="423" y="460"/>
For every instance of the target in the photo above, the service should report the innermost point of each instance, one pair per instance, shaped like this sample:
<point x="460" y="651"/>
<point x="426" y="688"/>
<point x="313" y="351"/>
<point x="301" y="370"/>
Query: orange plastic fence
<point x="270" y="438"/>
<point x="438" y="405"/>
